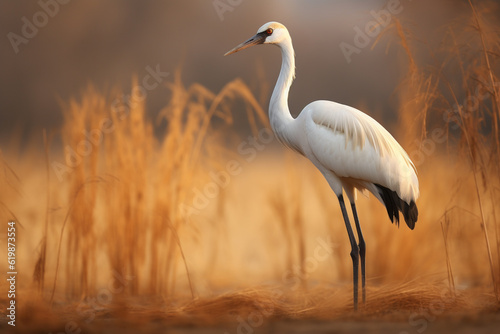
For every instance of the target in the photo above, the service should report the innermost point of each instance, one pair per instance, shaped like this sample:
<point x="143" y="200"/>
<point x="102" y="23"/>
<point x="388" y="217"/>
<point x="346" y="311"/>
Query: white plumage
<point x="351" y="149"/>
<point x="357" y="149"/>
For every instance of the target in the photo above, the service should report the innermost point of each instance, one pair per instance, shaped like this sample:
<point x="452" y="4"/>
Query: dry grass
<point x="130" y="224"/>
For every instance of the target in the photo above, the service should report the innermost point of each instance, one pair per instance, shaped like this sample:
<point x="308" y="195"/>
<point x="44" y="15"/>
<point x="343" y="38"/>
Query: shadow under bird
<point x="351" y="149"/>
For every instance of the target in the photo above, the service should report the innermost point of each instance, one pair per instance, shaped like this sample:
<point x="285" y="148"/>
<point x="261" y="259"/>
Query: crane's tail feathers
<point x="394" y="204"/>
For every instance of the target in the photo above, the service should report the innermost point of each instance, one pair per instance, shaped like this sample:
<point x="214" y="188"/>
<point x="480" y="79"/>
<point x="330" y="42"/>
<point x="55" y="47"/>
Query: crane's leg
<point x="362" y="251"/>
<point x="354" y="251"/>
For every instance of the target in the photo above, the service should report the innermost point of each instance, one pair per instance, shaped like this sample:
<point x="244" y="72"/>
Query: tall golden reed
<point x="128" y="189"/>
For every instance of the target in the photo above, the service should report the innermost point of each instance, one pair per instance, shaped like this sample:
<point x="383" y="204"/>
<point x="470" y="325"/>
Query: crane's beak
<point x="255" y="40"/>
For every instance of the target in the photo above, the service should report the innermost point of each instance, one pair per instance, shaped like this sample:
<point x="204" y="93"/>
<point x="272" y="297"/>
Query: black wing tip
<point x="411" y="214"/>
<point x="394" y="204"/>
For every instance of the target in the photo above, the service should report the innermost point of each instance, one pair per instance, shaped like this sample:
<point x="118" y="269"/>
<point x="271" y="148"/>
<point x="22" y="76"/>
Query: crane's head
<point x="269" y="33"/>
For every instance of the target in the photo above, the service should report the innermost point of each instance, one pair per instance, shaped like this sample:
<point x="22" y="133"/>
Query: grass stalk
<point x="474" y="166"/>
<point x="496" y="115"/>
<point x="444" y="230"/>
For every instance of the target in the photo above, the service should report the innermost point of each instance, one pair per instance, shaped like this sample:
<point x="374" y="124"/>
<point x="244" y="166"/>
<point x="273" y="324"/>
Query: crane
<point x="351" y="150"/>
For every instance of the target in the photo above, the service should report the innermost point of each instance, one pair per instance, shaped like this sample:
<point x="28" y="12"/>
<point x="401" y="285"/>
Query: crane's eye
<point x="269" y="31"/>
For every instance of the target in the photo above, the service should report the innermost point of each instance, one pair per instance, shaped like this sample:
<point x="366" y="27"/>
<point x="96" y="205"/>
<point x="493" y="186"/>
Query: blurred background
<point x="104" y="44"/>
<point x="183" y="192"/>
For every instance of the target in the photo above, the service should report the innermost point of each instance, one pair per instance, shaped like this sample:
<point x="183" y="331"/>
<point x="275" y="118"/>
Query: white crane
<point x="351" y="149"/>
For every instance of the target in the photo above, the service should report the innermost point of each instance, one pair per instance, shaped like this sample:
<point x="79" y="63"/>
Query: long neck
<point x="279" y="114"/>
